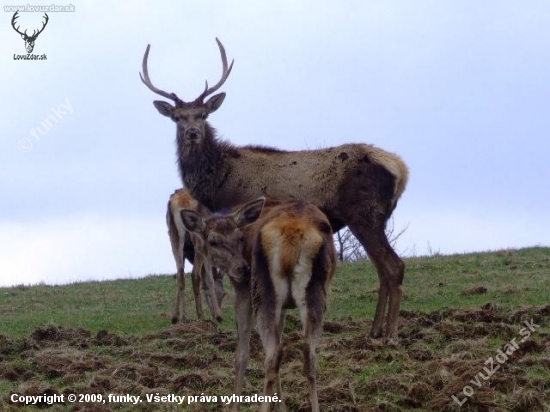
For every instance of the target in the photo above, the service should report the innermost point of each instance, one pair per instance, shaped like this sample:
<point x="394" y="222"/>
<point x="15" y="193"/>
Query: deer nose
<point x="244" y="270"/>
<point x="240" y="273"/>
<point x="193" y="133"/>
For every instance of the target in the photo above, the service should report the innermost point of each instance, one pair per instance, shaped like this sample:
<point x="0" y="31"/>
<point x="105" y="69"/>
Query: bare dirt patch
<point x="476" y="290"/>
<point x="436" y="356"/>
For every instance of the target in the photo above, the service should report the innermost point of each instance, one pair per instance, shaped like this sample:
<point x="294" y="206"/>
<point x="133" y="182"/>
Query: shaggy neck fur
<point x="203" y="167"/>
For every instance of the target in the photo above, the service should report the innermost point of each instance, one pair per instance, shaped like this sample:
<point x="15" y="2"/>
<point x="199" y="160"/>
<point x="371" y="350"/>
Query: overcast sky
<point x="459" y="89"/>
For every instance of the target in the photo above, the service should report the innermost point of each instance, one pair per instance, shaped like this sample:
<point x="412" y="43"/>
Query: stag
<point x="291" y="255"/>
<point x="355" y="185"/>
<point x="29" y="40"/>
<point x="185" y="245"/>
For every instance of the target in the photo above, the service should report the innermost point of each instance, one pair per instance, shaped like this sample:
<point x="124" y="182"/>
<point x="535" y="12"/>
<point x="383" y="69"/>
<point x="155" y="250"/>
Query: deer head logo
<point x="29" y="40"/>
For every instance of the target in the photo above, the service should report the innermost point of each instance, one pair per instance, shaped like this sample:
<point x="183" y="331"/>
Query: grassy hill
<point x="115" y="337"/>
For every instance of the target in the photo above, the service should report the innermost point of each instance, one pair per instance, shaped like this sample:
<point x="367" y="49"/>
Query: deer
<point x="186" y="245"/>
<point x="356" y="185"/>
<point x="278" y="255"/>
<point x="29" y="40"/>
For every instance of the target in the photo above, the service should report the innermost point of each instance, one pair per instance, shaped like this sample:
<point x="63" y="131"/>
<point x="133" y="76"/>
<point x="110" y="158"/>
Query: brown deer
<point x="355" y="185"/>
<point x="292" y="258"/>
<point x="187" y="246"/>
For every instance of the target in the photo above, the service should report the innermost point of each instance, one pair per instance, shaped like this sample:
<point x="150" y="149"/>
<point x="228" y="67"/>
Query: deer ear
<point x="250" y="212"/>
<point x="214" y="102"/>
<point x="192" y="221"/>
<point x="164" y="108"/>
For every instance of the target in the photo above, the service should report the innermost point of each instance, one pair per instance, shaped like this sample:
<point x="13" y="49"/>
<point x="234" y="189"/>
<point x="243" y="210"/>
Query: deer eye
<point x="212" y="242"/>
<point x="204" y="116"/>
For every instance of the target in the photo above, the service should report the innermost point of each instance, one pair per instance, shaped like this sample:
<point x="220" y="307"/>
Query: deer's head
<point x="190" y="117"/>
<point x="223" y="236"/>
<point x="29" y="40"/>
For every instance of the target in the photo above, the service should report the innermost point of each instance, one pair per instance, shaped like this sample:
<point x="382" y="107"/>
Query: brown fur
<point x="292" y="236"/>
<point x="355" y="185"/>
<point x="183" y="248"/>
<point x="292" y="258"/>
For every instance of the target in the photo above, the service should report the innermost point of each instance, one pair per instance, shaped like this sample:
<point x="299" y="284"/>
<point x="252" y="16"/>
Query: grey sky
<point x="459" y="89"/>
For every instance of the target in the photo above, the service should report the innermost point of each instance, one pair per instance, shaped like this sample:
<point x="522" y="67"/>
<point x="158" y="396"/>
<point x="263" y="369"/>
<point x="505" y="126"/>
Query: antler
<point x="34" y="33"/>
<point x="15" y="16"/>
<point x="43" y="26"/>
<point x="147" y="81"/>
<point x="172" y="96"/>
<point x="225" y="73"/>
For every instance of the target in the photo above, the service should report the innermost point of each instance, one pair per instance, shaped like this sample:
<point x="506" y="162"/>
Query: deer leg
<point x="196" y="279"/>
<point x="278" y="388"/>
<point x="243" y="314"/>
<point x="396" y="294"/>
<point x="312" y="328"/>
<point x="178" y="312"/>
<point x="391" y="270"/>
<point x="270" y="329"/>
<point x="383" y="292"/>
<point x="210" y="292"/>
<point x="207" y="292"/>
<point x="220" y="290"/>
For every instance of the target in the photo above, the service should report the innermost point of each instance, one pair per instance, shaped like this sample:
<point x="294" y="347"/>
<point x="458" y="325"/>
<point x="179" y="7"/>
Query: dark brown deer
<point x="355" y="185"/>
<point x="292" y="258"/>
<point x="29" y="40"/>
<point x="183" y="247"/>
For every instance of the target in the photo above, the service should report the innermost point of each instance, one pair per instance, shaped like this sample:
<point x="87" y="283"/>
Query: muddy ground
<point x="437" y="355"/>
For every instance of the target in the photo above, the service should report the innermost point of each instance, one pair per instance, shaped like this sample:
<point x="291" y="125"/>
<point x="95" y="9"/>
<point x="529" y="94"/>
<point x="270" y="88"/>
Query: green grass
<point x="122" y="306"/>
<point x="512" y="278"/>
<point x="442" y="343"/>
